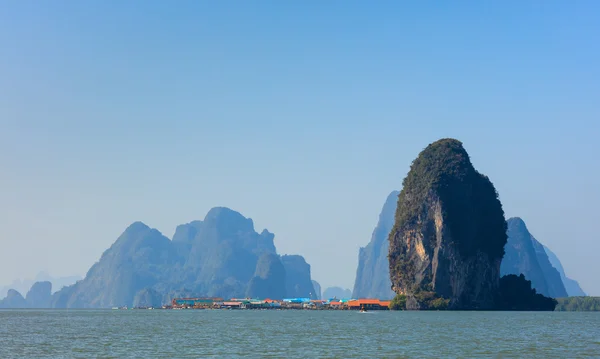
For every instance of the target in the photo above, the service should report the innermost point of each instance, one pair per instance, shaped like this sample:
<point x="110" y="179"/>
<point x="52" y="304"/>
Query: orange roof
<point x="359" y="302"/>
<point x="335" y="303"/>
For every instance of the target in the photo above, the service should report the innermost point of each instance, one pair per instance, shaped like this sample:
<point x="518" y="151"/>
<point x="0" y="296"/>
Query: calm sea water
<point x="296" y="334"/>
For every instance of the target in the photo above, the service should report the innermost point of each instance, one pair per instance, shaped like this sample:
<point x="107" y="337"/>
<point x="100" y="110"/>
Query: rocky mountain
<point x="40" y="295"/>
<point x="373" y="272"/>
<point x="448" y="239"/>
<point x="297" y="277"/>
<point x="269" y="279"/>
<point x="317" y="288"/>
<point x="572" y="286"/>
<point x="520" y="256"/>
<point x="140" y="258"/>
<point x="525" y="255"/>
<point x="148" y="298"/>
<point x="221" y="256"/>
<point x="13" y="299"/>
<point x="337" y="292"/>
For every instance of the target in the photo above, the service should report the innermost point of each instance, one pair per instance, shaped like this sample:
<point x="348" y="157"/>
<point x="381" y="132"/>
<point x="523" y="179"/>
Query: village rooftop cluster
<point x="289" y="303"/>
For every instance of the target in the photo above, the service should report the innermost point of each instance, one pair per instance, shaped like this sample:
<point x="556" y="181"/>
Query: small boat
<point x="363" y="310"/>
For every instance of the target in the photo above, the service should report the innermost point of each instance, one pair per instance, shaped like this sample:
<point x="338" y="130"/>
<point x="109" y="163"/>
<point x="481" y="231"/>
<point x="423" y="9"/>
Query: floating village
<point x="290" y="303"/>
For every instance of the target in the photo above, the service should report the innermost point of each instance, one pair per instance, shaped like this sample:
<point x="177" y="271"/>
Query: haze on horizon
<point x="302" y="116"/>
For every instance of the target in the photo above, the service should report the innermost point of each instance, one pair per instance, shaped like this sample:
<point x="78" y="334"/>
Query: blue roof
<point x="297" y="300"/>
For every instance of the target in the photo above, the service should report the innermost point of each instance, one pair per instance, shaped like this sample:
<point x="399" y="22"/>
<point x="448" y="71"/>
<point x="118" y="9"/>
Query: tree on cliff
<point x="516" y="293"/>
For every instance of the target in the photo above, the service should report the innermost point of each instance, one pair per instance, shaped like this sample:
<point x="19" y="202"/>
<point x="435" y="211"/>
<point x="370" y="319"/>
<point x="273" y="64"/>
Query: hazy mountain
<point x="218" y="256"/>
<point x="148" y="298"/>
<point x="525" y="255"/>
<point x="40" y="295"/>
<point x="23" y="285"/>
<point x="140" y="258"/>
<point x="572" y="286"/>
<point x="297" y="277"/>
<point x="269" y="279"/>
<point x="317" y="288"/>
<point x="337" y="292"/>
<point x="373" y="272"/>
<point x="13" y="299"/>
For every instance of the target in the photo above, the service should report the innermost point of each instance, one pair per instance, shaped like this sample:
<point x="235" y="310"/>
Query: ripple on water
<point x="296" y="334"/>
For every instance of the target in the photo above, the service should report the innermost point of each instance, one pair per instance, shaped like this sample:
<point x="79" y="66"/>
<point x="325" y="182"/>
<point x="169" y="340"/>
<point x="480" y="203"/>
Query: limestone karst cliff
<point x="373" y="271"/>
<point x="572" y="286"/>
<point x="449" y="233"/>
<point x="219" y="256"/>
<point x="525" y="255"/>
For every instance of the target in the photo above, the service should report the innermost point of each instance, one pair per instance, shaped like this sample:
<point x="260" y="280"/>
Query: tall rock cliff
<point x="556" y="288"/>
<point x="148" y="298"/>
<point x="525" y="255"/>
<point x="571" y="285"/>
<point x="14" y="300"/>
<point x="373" y="272"/>
<point x="40" y="295"/>
<point x="297" y="277"/>
<point x="140" y="258"/>
<point x="224" y="253"/>
<point x="269" y="278"/>
<point x="449" y="233"/>
<point x="520" y="257"/>
<point x="317" y="288"/>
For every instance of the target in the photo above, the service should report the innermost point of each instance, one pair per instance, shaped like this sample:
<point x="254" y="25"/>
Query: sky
<point x="302" y="115"/>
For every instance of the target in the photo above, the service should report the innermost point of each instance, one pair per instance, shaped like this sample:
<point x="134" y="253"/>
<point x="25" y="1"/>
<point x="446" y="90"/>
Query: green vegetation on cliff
<point x="426" y="301"/>
<point x="516" y="293"/>
<point x="444" y="167"/>
<point x="398" y="303"/>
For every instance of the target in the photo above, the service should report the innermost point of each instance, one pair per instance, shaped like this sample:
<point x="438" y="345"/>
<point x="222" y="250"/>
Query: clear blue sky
<point x="301" y="115"/>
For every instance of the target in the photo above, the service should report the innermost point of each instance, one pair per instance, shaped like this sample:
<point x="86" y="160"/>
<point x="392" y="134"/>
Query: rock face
<point x="217" y="257"/>
<point x="317" y="288"/>
<point x="572" y="286"/>
<point x="40" y="295"/>
<point x="337" y="292"/>
<point x="13" y="299"/>
<point x="449" y="233"/>
<point x="140" y="258"/>
<point x="373" y="272"/>
<point x="147" y="298"/>
<point x="525" y="255"/>
<point x="297" y="277"/>
<point x="269" y="278"/>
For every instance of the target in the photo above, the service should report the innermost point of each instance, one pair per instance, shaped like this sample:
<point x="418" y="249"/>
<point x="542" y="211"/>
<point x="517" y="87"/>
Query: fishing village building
<point x="288" y="303"/>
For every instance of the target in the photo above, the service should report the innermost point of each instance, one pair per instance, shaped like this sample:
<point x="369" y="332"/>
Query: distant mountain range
<point x="224" y="256"/>
<point x="337" y="292"/>
<point x="220" y="256"/>
<point x="23" y="285"/>
<point x="523" y="254"/>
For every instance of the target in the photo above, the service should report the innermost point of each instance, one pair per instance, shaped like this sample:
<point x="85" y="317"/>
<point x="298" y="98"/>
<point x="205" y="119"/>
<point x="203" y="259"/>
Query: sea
<point x="296" y="334"/>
